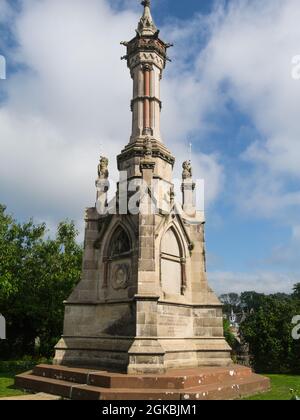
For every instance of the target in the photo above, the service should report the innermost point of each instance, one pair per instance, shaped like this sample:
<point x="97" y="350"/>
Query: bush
<point x="23" y="365"/>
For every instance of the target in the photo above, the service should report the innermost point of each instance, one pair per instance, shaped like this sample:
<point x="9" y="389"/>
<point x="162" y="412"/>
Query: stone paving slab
<point x="31" y="397"/>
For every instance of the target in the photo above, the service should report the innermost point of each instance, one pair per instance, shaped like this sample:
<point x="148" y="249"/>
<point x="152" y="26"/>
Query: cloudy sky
<point x="229" y="90"/>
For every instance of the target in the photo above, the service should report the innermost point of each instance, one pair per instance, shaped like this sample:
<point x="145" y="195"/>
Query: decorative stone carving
<point x="148" y="147"/>
<point x="102" y="186"/>
<point x="103" y="168"/>
<point x="157" y="152"/>
<point x="172" y="195"/>
<point x="120" y="277"/>
<point x="140" y="58"/>
<point x="147" y="166"/>
<point x="147" y="66"/>
<point x="187" y="172"/>
<point x="146" y="24"/>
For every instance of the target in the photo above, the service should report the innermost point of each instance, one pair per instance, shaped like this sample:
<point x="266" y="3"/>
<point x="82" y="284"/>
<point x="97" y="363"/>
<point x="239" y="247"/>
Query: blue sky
<point x="229" y="89"/>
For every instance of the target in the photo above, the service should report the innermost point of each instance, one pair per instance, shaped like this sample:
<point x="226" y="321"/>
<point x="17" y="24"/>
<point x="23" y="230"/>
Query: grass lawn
<point x="8" y="371"/>
<point x="6" y="385"/>
<point x="281" y="385"/>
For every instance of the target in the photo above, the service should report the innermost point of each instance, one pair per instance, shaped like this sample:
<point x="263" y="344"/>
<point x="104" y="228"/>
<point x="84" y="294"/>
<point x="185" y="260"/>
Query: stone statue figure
<point x="103" y="168"/>
<point x="187" y="172"/>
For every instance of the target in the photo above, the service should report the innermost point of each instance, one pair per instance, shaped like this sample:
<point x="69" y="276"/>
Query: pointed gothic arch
<point x="172" y="263"/>
<point x="120" y="243"/>
<point x="117" y="258"/>
<point x="121" y="230"/>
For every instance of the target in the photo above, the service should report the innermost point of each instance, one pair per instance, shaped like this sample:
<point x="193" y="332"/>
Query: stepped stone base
<point x="207" y="383"/>
<point x="140" y="356"/>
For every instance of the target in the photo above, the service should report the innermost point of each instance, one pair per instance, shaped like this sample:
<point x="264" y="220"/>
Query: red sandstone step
<point x="82" y="392"/>
<point x="29" y="382"/>
<point x="228" y="390"/>
<point x="176" y="379"/>
<point x="171" y="380"/>
<point x="75" y="375"/>
<point x="86" y="392"/>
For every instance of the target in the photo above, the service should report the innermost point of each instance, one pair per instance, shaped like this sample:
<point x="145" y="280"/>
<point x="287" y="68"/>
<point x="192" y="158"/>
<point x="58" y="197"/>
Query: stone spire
<point x="146" y="25"/>
<point x="146" y="58"/>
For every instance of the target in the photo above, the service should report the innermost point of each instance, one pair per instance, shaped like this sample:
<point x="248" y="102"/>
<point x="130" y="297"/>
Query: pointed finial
<point x="190" y="151"/>
<point x="146" y="24"/>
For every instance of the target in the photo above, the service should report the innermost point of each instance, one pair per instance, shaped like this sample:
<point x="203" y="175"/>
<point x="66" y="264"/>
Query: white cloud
<point x="286" y="254"/>
<point x="296" y="233"/>
<point x="251" y="50"/>
<point x="246" y="59"/>
<point x="70" y="100"/>
<point x="5" y="11"/>
<point x="261" y="282"/>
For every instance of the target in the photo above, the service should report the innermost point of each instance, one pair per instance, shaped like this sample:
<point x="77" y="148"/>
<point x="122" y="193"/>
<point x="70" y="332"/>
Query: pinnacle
<point x="146" y="24"/>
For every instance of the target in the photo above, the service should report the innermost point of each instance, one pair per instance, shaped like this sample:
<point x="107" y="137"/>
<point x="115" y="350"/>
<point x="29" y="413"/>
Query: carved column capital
<point x="147" y="67"/>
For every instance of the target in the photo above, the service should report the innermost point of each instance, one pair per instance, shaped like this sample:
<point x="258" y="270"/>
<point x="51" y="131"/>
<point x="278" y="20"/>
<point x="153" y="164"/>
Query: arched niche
<point x="118" y="262"/>
<point x="172" y="263"/>
<point x="120" y="243"/>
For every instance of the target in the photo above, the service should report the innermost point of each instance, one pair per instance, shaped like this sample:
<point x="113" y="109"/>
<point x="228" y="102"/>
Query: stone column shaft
<point x="147" y="124"/>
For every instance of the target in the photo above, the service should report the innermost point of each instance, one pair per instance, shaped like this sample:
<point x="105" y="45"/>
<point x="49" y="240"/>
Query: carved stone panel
<point x="120" y="276"/>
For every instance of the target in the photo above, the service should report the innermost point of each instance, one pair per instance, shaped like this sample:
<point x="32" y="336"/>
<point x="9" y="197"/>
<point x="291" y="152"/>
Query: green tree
<point x="268" y="330"/>
<point x="229" y="336"/>
<point x="231" y="301"/>
<point x="296" y="294"/>
<point x="295" y="350"/>
<point x="36" y="275"/>
<point x="252" y="301"/>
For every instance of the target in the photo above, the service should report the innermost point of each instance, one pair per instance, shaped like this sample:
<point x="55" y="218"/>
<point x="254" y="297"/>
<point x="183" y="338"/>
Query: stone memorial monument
<point x="143" y="304"/>
<point x="143" y="308"/>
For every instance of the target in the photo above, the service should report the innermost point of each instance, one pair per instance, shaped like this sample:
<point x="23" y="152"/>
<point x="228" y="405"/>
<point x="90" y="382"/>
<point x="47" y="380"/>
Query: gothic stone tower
<point x="143" y="304"/>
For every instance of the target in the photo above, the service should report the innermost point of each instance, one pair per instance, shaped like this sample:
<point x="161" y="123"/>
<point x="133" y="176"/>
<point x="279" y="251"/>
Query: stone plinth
<point x="209" y="383"/>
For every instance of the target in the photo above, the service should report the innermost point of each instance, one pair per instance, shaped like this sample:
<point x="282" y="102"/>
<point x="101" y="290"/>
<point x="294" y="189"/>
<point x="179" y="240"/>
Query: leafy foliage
<point x="268" y="330"/>
<point x="36" y="275"/>
<point x="231" y="301"/>
<point x="229" y="336"/>
<point x="296" y="293"/>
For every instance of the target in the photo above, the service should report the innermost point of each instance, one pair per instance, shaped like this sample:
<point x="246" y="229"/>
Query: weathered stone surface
<point x="143" y="303"/>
